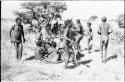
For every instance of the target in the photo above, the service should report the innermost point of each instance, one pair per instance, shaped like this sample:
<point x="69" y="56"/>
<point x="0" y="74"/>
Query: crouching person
<point x="52" y="55"/>
<point x="39" y="45"/>
<point x="60" y="50"/>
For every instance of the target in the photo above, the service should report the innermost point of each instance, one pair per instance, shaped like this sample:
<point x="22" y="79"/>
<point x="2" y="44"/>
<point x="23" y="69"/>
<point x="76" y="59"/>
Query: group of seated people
<point x="50" y="49"/>
<point x="47" y="49"/>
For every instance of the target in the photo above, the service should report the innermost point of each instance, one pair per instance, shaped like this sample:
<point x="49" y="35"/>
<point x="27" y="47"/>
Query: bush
<point x="118" y="37"/>
<point x="120" y="20"/>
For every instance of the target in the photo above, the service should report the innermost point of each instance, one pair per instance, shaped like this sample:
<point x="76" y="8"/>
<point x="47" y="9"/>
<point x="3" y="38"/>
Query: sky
<point x="76" y="9"/>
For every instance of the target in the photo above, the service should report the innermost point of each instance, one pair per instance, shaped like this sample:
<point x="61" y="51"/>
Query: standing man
<point x="104" y="31"/>
<point x="79" y="30"/>
<point x="89" y="35"/>
<point x="68" y="39"/>
<point x="17" y="37"/>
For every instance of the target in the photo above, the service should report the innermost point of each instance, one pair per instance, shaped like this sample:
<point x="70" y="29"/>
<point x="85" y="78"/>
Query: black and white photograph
<point x="62" y="40"/>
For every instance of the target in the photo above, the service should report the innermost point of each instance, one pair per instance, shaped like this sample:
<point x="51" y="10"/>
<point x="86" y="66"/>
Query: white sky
<point x="76" y="9"/>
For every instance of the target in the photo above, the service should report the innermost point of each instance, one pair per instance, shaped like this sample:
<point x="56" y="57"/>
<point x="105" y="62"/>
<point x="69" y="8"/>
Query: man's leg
<point x="105" y="51"/>
<point x="17" y="50"/>
<point x="59" y="55"/>
<point x="67" y="55"/>
<point x="20" y="51"/>
<point x="75" y="52"/>
<point x="88" y="45"/>
<point x="101" y="46"/>
<point x="79" y="40"/>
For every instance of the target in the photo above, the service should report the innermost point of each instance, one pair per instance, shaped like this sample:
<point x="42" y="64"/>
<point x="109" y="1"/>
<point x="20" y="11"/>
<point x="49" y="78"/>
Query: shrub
<point x="118" y="37"/>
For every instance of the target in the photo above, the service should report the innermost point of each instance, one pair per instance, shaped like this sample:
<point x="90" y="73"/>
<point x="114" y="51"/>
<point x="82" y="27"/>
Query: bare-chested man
<point x="79" y="30"/>
<point x="17" y="37"/>
<point x="89" y="35"/>
<point x="104" y="31"/>
<point x="68" y="39"/>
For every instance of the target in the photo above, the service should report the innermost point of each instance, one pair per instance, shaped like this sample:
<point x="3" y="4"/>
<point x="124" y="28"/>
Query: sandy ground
<point x="89" y="66"/>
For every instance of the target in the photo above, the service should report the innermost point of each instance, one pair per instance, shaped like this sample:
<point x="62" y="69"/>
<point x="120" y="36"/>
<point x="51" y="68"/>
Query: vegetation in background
<point x="40" y="12"/>
<point x="120" y="20"/>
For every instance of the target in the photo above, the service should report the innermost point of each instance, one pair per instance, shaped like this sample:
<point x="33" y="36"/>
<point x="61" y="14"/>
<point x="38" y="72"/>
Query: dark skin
<point x="67" y="47"/>
<point x="104" y="31"/>
<point x="39" y="35"/>
<point x="89" y="36"/>
<point x="38" y="42"/>
<point x="79" y="31"/>
<point x="17" y="37"/>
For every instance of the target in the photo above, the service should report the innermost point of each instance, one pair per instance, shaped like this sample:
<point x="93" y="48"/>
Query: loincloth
<point x="104" y="39"/>
<point x="16" y="41"/>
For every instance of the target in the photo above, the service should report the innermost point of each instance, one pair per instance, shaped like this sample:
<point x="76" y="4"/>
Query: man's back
<point x="104" y="29"/>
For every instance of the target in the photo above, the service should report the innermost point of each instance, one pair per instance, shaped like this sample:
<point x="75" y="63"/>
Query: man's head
<point x="18" y="20"/>
<point x="78" y="21"/>
<point x="88" y="24"/>
<point x="104" y="19"/>
<point x="68" y="23"/>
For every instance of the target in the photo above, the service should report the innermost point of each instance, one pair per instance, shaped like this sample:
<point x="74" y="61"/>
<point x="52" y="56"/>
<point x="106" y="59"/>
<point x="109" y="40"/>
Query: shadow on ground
<point x="80" y="63"/>
<point x="97" y="50"/>
<point x="111" y="57"/>
<point x="30" y="58"/>
<point x="79" y="55"/>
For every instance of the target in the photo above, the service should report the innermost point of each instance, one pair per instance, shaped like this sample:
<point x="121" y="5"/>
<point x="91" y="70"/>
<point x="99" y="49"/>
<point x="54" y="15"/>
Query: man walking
<point x="104" y="31"/>
<point x="17" y="37"/>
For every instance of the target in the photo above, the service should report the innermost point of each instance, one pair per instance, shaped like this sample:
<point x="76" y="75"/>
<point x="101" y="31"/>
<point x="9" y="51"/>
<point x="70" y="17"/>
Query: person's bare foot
<point x="38" y="61"/>
<point x="65" y="66"/>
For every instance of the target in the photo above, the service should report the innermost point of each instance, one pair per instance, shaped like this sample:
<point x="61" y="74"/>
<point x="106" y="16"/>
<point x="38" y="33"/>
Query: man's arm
<point x="23" y="34"/>
<point x="82" y="29"/>
<point x="99" y="30"/>
<point x="12" y="28"/>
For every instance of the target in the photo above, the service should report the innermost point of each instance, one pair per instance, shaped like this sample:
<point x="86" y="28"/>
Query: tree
<point x="41" y="12"/>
